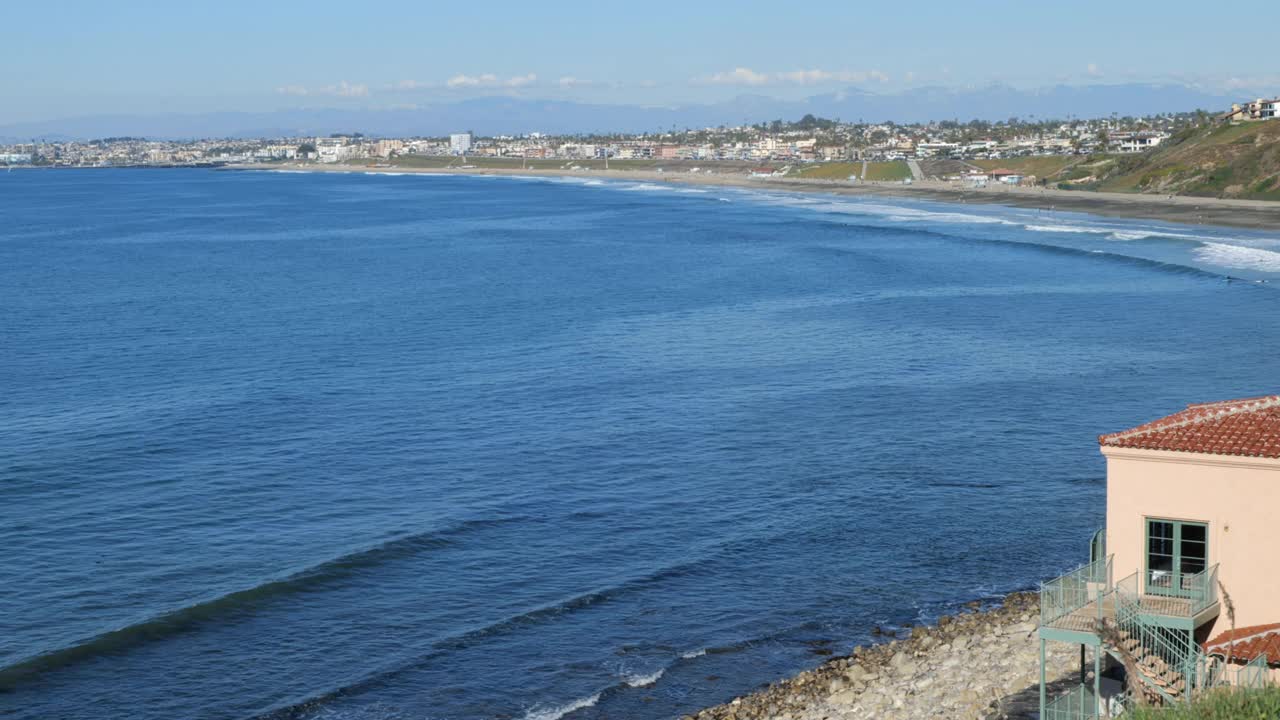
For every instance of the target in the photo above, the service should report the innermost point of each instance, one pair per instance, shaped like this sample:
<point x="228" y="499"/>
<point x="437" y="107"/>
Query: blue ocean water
<point x="355" y="446"/>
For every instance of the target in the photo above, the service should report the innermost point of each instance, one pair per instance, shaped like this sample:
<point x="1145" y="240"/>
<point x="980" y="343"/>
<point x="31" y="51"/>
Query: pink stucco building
<point x="1193" y="518"/>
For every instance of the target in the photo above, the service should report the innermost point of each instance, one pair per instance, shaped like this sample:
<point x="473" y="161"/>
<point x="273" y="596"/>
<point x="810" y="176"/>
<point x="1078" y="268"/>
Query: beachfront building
<point x="1182" y="587"/>
<point x="460" y="143"/>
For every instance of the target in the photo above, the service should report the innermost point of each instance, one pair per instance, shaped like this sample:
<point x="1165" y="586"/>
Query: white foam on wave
<point x="646" y="187"/>
<point x="1239" y="256"/>
<point x="903" y="214"/>
<point x="558" y="711"/>
<point x="693" y="654"/>
<point x="638" y="680"/>
<point x="1064" y="229"/>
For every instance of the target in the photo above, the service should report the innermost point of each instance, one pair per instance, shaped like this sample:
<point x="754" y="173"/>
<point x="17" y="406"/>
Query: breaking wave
<point x="1238" y="256"/>
<point x="555" y="712"/>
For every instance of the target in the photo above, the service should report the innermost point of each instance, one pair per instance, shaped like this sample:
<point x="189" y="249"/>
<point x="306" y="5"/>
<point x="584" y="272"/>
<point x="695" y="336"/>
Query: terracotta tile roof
<point x="1249" y="427"/>
<point x="1250" y="642"/>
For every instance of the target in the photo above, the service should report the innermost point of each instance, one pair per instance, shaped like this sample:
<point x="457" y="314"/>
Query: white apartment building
<point x="1133" y="142"/>
<point x="332" y="150"/>
<point x="460" y="143"/>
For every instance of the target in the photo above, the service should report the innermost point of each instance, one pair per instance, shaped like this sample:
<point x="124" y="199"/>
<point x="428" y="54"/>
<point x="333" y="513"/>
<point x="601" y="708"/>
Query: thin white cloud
<point x="737" y="76"/>
<point x="569" y="82"/>
<point x="747" y="76"/>
<point x="342" y="89"/>
<point x="489" y="80"/>
<point x="1092" y="70"/>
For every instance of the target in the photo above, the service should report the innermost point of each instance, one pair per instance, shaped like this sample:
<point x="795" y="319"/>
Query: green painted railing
<point x="1066" y="594"/>
<point x="1201" y="589"/>
<point x="1255" y="674"/>
<point x="1079" y="703"/>
<point x="1199" y="672"/>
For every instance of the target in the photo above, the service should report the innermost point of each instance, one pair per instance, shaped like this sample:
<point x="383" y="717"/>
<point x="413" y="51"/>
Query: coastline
<point x="1249" y="214"/>
<point x="980" y="665"/>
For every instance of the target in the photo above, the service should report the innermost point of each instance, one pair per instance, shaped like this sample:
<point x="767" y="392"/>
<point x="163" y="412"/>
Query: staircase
<point x="1170" y="667"/>
<point x="1161" y="682"/>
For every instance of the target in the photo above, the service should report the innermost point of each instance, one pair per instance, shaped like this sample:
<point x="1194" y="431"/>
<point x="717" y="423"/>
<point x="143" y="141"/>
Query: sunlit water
<point x="322" y="446"/>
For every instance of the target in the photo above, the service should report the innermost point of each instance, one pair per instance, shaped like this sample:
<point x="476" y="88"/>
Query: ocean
<point x="329" y="446"/>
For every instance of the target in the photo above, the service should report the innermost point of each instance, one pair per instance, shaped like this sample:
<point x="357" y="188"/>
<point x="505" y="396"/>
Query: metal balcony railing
<point x="1070" y="592"/>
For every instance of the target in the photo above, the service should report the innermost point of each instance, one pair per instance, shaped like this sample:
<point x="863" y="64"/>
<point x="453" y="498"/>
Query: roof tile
<point x="1248" y="427"/>
<point x="1250" y="642"/>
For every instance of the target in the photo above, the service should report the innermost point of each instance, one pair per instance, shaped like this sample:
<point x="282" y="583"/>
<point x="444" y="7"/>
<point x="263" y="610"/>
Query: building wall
<point x="1238" y="497"/>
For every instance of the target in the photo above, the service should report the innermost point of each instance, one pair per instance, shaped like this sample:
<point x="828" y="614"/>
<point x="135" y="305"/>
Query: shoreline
<point x="980" y="665"/>
<point x="1180" y="210"/>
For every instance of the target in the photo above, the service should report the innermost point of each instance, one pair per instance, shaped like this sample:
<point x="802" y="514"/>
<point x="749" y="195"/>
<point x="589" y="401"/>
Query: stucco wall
<point x="1239" y="498"/>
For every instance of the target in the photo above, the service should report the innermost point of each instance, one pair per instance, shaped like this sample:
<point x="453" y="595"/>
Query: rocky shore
<point x="980" y="665"/>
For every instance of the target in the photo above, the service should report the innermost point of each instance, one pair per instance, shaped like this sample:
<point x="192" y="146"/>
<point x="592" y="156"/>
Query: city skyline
<point x="148" y="57"/>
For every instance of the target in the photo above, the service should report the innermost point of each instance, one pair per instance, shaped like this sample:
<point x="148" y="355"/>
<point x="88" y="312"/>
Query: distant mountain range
<point x="508" y="115"/>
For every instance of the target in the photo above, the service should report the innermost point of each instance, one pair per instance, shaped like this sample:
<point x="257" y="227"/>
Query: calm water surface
<point x="319" y="446"/>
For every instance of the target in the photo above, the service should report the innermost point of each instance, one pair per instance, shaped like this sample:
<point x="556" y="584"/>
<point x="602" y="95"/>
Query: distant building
<point x="332" y="150"/>
<point x="1132" y="142"/>
<point x="460" y="143"/>
<point x="1259" y="109"/>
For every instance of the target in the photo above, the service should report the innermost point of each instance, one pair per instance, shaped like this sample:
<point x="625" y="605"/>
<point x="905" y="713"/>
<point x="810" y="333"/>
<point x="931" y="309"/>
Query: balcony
<point x="1072" y="605"/>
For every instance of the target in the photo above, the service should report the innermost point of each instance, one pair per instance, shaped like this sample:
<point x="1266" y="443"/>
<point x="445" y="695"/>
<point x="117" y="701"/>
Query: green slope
<point x="1234" y="161"/>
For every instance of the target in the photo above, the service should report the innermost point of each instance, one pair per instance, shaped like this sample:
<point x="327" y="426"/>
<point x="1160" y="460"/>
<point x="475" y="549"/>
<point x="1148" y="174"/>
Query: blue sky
<point x="71" y="58"/>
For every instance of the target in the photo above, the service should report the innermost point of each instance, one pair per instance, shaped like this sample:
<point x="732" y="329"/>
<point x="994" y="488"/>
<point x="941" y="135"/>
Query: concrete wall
<point x="1238" y="497"/>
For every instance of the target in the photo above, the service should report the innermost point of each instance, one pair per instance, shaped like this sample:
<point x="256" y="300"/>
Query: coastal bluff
<point x="981" y="665"/>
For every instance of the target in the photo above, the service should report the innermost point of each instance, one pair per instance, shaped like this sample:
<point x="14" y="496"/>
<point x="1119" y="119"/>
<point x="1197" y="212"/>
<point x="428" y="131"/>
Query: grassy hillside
<point x="1235" y="161"/>
<point x="1042" y="166"/>
<point x="877" y="171"/>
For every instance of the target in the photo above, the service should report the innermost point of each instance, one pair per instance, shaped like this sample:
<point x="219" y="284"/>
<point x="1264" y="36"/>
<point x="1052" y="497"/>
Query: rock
<point x="960" y="643"/>
<point x="856" y="673"/>
<point x="906" y="669"/>
<point x="844" y="697"/>
<point x="1023" y="628"/>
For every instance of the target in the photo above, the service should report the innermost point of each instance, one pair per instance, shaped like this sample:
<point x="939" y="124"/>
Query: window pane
<point x="1193" y="532"/>
<point x="1193" y="550"/>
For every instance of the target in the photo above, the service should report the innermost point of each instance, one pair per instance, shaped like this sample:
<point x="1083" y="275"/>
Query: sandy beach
<point x="1254" y="214"/>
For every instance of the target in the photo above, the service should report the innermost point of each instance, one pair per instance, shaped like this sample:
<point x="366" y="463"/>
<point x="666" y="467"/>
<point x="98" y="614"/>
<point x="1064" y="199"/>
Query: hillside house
<point x="1191" y="502"/>
<point x="1260" y="109"/>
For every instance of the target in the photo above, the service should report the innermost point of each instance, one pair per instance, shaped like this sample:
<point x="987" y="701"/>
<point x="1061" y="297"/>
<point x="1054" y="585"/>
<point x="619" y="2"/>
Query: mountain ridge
<point x="495" y="115"/>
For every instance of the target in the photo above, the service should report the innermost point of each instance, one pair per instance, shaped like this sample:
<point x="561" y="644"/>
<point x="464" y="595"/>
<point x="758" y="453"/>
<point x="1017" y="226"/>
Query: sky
<point x="72" y="58"/>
